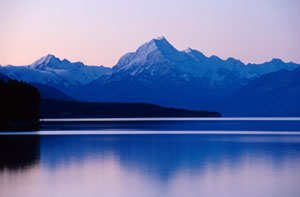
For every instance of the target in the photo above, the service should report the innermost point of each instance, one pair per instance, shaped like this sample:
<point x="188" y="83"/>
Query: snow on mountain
<point x="30" y="75"/>
<point x="153" y="59"/>
<point x="149" y="57"/>
<point x="158" y="57"/>
<point x="155" y="73"/>
<point x="63" y="74"/>
<point x="44" y="61"/>
<point x="158" y="73"/>
<point x="76" y="71"/>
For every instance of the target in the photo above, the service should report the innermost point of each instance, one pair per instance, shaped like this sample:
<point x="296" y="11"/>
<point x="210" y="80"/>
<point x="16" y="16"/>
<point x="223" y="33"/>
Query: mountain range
<point x="160" y="74"/>
<point x="275" y="93"/>
<point x="61" y="74"/>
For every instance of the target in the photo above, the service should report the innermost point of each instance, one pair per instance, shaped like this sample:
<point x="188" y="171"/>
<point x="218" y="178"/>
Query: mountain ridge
<point x="186" y="79"/>
<point x="160" y="54"/>
<point x="61" y="74"/>
<point x="155" y="73"/>
<point x="273" y="94"/>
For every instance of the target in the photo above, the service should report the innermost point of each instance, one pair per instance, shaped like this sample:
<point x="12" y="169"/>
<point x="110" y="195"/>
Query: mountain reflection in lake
<point x="150" y="165"/>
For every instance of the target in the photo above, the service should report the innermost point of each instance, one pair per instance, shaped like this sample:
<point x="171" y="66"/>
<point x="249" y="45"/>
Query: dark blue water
<point x="150" y="165"/>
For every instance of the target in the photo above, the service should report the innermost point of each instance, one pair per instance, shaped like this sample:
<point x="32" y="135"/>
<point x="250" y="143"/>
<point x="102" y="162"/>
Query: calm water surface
<point x="158" y="165"/>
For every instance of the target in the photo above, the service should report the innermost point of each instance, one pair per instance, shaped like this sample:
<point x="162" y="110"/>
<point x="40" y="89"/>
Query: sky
<point x="99" y="32"/>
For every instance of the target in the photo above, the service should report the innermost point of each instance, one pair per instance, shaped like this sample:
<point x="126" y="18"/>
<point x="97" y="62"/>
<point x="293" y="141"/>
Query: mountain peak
<point x="159" y="43"/>
<point x="162" y="41"/>
<point x="234" y="61"/>
<point x="160" y="38"/>
<point x="165" y="48"/>
<point x="276" y="60"/>
<point x="156" y="50"/>
<point x="42" y="62"/>
<point x="48" y="58"/>
<point x="188" y="50"/>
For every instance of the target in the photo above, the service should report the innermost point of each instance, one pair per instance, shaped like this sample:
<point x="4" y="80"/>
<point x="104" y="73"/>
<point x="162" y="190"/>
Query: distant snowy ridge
<point x="160" y="54"/>
<point x="61" y="74"/>
<point x="76" y="71"/>
<point x="155" y="73"/>
<point x="160" y="74"/>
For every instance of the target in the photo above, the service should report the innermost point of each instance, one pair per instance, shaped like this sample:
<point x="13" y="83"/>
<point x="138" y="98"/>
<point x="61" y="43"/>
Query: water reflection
<point x="157" y="165"/>
<point x="18" y="152"/>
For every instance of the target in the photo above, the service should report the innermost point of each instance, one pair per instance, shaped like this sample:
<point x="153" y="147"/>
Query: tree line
<point x="19" y="106"/>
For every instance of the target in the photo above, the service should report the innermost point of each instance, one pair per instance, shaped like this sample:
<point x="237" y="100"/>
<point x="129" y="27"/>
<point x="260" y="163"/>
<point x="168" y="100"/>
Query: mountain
<point x="273" y="94"/>
<point x="49" y="92"/>
<point x="46" y="92"/>
<point x="61" y="74"/>
<point x="155" y="73"/>
<point x="158" y="57"/>
<point x="73" y="72"/>
<point x="3" y="77"/>
<point x="160" y="74"/>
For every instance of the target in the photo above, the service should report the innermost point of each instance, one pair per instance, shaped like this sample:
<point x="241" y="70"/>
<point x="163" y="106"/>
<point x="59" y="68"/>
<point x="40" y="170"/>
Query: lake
<point x="153" y="157"/>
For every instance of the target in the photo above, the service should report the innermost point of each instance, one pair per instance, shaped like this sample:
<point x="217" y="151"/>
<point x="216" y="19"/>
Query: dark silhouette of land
<point x="74" y="109"/>
<point x="21" y="108"/>
<point x="19" y="104"/>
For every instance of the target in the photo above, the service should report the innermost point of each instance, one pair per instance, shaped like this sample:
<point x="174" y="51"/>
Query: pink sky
<point x="100" y="32"/>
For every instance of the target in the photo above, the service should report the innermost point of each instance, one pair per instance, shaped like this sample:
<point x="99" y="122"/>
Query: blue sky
<point x="98" y="32"/>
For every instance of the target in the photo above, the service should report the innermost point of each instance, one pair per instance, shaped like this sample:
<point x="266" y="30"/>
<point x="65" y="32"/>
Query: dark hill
<point x="273" y="94"/>
<point x="49" y="92"/>
<point x="4" y="77"/>
<point x="73" y="109"/>
<point x="19" y="104"/>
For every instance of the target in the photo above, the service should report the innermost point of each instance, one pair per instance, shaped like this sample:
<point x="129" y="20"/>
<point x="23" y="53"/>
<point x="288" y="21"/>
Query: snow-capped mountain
<point x="155" y="73"/>
<point x="158" y="57"/>
<point x="76" y="71"/>
<point x="46" y="91"/>
<point x="158" y="73"/>
<point x="52" y="71"/>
